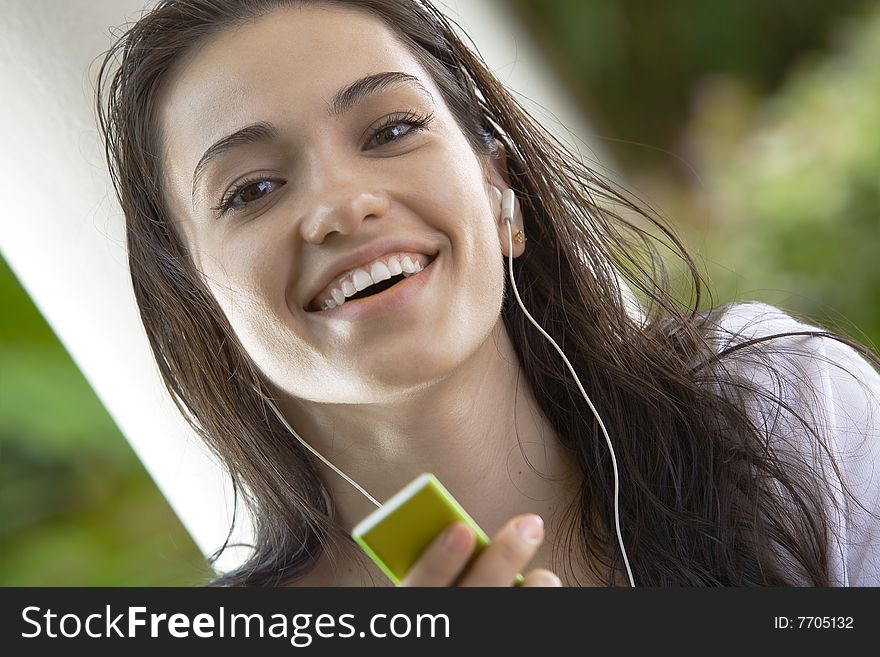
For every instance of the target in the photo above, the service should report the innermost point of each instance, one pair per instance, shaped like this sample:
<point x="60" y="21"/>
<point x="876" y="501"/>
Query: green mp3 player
<point x="395" y="535"/>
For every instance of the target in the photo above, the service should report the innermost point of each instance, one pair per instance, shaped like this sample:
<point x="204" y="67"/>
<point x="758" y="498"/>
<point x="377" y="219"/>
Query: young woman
<point x="313" y="196"/>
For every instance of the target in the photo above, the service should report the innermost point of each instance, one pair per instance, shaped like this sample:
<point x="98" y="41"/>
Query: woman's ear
<point x="499" y="180"/>
<point x="498" y="172"/>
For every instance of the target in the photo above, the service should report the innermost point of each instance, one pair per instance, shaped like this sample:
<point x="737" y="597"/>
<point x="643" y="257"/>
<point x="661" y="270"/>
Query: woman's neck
<point x="467" y="430"/>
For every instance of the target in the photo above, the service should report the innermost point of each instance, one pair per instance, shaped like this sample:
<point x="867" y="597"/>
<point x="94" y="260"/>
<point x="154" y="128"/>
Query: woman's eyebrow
<point x="251" y="134"/>
<point x="355" y="92"/>
<point x="343" y="100"/>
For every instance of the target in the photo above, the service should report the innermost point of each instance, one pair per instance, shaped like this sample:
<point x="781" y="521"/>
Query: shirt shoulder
<point x="840" y="390"/>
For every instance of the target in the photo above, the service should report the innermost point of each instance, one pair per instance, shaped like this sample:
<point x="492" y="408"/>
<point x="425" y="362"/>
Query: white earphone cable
<point x="315" y="452"/>
<point x="507" y="198"/>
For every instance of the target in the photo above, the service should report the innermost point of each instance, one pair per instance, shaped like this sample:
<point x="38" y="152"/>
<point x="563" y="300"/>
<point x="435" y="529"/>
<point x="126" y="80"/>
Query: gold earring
<point x="520" y="237"/>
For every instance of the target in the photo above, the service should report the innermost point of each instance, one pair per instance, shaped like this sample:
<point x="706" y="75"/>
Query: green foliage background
<point x="753" y="126"/>
<point x="76" y="506"/>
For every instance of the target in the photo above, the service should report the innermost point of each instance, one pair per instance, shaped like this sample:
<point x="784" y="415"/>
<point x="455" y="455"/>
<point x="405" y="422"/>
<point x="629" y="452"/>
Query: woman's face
<point x="314" y="178"/>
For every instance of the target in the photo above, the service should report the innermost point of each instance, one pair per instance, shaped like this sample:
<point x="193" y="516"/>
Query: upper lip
<point x="364" y="256"/>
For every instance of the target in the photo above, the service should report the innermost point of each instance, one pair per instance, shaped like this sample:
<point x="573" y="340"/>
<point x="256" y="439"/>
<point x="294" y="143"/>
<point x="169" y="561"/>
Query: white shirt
<point x="847" y="407"/>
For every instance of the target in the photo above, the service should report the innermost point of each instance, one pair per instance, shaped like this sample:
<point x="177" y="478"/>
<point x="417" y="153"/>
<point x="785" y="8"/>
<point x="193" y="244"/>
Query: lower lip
<point x="384" y="302"/>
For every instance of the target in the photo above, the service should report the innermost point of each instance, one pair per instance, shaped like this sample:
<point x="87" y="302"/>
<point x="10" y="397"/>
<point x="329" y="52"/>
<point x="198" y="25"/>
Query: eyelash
<point x="414" y="120"/>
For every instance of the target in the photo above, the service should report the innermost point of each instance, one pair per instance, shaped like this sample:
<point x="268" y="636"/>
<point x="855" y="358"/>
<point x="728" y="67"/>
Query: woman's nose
<point x="343" y="211"/>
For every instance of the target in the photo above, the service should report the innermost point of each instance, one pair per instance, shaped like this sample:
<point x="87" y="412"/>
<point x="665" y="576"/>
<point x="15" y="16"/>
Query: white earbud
<point x="507" y="201"/>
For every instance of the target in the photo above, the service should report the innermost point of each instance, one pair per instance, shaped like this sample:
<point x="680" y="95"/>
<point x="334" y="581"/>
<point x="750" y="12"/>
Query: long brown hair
<point x="705" y="498"/>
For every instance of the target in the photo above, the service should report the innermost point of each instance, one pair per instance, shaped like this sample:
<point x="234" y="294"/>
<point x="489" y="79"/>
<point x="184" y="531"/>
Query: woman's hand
<point x="508" y="553"/>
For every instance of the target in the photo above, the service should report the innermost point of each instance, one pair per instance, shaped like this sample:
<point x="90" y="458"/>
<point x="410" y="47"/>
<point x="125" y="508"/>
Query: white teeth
<point x="361" y="279"/>
<point x="379" y="272"/>
<point x="394" y="266"/>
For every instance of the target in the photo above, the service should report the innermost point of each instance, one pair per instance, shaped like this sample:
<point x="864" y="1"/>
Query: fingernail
<point x="549" y="581"/>
<point x="455" y="539"/>
<point x="530" y="528"/>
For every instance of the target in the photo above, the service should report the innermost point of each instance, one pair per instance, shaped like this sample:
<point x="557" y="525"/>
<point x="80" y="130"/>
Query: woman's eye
<point x="391" y="133"/>
<point x="246" y="193"/>
<point x="398" y="127"/>
<point x="255" y="191"/>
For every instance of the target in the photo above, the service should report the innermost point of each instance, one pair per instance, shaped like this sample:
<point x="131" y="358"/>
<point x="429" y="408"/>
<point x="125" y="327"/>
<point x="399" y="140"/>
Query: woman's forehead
<point x="295" y="54"/>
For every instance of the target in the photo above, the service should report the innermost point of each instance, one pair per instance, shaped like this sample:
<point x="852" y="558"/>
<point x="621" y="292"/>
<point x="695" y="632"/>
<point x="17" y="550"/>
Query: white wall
<point x="61" y="230"/>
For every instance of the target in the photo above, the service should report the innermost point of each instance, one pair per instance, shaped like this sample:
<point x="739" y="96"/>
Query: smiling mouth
<point x="374" y="289"/>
